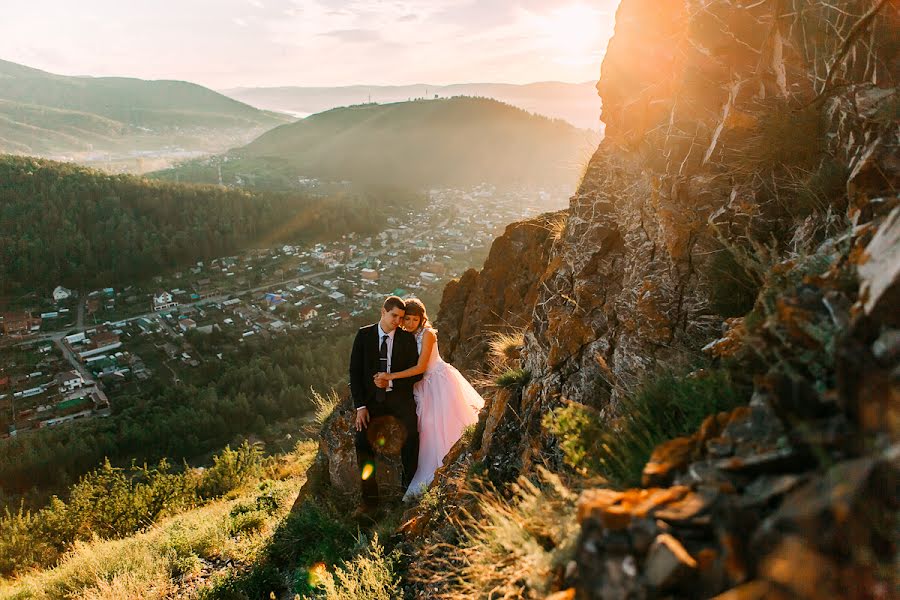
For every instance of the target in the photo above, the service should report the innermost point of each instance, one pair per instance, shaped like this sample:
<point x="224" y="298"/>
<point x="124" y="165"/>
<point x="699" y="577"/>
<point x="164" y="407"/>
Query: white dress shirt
<point x="390" y="351"/>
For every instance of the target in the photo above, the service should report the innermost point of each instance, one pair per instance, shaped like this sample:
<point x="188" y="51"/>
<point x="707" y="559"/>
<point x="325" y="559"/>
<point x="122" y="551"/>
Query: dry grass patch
<point x="509" y="548"/>
<point x="505" y="349"/>
<point x="324" y="404"/>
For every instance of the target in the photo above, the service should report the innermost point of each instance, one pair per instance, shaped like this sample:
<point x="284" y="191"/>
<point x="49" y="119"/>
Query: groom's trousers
<point x="403" y="409"/>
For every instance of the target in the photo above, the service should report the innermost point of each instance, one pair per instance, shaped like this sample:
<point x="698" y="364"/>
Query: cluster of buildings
<point x="261" y="293"/>
<point x="47" y="396"/>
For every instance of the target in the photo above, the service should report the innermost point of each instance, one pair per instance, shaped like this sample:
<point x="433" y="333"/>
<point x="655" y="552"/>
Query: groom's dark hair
<point x="392" y="302"/>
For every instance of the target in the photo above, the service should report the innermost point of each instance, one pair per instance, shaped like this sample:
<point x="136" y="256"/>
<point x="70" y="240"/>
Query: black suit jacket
<point x="364" y="364"/>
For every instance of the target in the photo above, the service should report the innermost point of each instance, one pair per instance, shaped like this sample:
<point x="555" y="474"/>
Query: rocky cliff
<point x="743" y="207"/>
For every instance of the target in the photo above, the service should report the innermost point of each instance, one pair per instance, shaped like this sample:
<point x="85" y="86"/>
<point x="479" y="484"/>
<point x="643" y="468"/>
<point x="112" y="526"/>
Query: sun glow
<point x="576" y="33"/>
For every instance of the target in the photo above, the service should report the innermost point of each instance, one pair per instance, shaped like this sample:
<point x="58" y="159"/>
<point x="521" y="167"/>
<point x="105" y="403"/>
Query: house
<point x="187" y="324"/>
<point x="18" y="323"/>
<point x="337" y="296"/>
<point x="429" y="277"/>
<point x="68" y="381"/>
<point x="103" y="341"/>
<point x="308" y="312"/>
<point x="92" y="305"/>
<point x="274" y="299"/>
<point x="61" y="293"/>
<point x="370" y="274"/>
<point x="163" y="300"/>
<point x="203" y="289"/>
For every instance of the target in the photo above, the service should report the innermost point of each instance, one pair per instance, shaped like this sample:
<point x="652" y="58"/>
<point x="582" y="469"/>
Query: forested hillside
<point x="251" y="389"/>
<point x="67" y="225"/>
<point x="456" y="141"/>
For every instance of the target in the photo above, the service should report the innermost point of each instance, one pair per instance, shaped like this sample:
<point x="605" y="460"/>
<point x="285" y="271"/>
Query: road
<point x="73" y="360"/>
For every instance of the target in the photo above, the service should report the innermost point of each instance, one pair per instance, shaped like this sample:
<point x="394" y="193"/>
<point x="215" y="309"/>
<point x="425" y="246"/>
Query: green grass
<point x="307" y="541"/>
<point x="514" y="378"/>
<point x="666" y="406"/>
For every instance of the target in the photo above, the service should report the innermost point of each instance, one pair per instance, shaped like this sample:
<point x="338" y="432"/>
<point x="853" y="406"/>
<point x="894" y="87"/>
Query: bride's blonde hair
<point x="416" y="308"/>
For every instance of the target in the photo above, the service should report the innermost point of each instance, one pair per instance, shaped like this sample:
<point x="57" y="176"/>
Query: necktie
<point x="382" y="367"/>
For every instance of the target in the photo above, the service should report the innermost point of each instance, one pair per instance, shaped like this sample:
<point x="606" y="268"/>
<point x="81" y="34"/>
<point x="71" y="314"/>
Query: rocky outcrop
<point x="501" y="296"/>
<point x="727" y="151"/>
<point x="743" y="204"/>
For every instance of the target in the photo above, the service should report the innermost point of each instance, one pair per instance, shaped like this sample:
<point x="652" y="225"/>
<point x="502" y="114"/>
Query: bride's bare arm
<point x="428" y="338"/>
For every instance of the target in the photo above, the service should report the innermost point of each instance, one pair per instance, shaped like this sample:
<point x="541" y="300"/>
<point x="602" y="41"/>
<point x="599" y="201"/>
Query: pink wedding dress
<point x="445" y="404"/>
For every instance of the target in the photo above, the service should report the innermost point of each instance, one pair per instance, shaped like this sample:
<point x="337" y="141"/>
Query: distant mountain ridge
<point x="46" y="114"/>
<point x="577" y="103"/>
<point x="455" y="141"/>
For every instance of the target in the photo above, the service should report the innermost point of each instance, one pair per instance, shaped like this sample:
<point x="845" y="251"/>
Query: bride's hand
<point x="382" y="379"/>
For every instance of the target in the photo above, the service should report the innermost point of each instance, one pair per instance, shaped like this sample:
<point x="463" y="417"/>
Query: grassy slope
<point x="180" y="554"/>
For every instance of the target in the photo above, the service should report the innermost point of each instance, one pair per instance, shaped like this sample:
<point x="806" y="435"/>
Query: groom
<point x="383" y="347"/>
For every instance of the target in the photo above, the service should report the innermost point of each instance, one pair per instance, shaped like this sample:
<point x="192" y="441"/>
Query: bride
<point x="445" y="402"/>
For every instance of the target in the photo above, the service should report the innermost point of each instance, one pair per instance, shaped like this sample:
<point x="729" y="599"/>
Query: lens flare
<point x="381" y="441"/>
<point x="368" y="470"/>
<point x="316" y="574"/>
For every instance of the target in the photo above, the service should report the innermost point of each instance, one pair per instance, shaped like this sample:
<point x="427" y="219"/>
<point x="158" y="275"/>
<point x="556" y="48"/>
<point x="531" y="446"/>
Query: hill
<point x="72" y="226"/>
<point x="424" y="142"/>
<point x="53" y="115"/>
<point x="576" y="103"/>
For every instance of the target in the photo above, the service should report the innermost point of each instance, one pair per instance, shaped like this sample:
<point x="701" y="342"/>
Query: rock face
<point x="743" y="203"/>
<point x="335" y="473"/>
<point x="501" y="296"/>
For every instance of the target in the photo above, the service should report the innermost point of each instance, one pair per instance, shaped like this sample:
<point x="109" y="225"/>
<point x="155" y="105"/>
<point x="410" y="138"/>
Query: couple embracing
<point x="397" y="376"/>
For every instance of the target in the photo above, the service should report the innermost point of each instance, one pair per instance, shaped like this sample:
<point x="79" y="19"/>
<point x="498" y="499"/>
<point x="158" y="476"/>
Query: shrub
<point x="21" y="547"/>
<point x="111" y="502"/>
<point x="246" y="522"/>
<point x="230" y="469"/>
<point x="513" y="379"/>
<point x="666" y="406"/>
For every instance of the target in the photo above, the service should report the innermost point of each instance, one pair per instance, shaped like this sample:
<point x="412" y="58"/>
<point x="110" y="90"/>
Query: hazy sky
<point x="230" y="43"/>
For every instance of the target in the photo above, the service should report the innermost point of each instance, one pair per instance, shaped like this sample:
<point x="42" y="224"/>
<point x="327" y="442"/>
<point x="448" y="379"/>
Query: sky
<point x="255" y="43"/>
